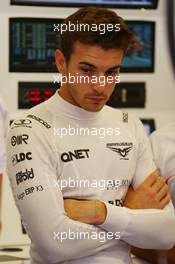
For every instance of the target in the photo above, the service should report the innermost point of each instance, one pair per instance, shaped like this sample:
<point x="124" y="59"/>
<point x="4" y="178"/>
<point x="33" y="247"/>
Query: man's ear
<point x="60" y="61"/>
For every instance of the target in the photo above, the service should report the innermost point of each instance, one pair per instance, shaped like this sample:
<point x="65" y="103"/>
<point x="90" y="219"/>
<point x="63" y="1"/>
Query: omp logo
<point x="122" y="149"/>
<point x="76" y="154"/>
<point x="19" y="140"/>
<point x="40" y="120"/>
<point x="24" y="176"/>
<point x="125" y="117"/>
<point x="21" y="157"/>
<point x="21" y="123"/>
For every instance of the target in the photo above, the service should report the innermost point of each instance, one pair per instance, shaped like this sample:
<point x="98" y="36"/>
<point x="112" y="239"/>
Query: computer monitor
<point x="133" y="4"/>
<point x="33" y="42"/>
<point x="140" y="57"/>
<point x="32" y="46"/>
<point x="171" y="29"/>
<point x="149" y="124"/>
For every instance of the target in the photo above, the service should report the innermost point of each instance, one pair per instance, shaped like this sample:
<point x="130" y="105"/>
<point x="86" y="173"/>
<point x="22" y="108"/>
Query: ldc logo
<point x="21" y="157"/>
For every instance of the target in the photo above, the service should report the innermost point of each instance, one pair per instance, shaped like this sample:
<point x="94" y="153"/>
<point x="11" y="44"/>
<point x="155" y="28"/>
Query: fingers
<point x="152" y="178"/>
<point x="165" y="201"/>
<point x="163" y="192"/>
<point x="159" y="184"/>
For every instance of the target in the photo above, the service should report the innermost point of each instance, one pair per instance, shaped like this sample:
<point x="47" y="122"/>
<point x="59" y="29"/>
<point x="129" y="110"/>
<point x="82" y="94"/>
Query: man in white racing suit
<point x="71" y="159"/>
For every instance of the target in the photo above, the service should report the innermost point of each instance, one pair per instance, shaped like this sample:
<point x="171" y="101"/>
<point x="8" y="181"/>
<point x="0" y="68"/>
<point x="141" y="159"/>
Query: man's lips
<point x="96" y="98"/>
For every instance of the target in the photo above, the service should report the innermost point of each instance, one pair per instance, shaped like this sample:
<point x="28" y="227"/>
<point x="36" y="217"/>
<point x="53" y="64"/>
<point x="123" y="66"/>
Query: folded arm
<point x="144" y="228"/>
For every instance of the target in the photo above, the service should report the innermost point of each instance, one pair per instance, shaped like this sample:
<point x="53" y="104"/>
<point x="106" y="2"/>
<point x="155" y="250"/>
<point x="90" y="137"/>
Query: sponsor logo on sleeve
<point x="21" y="123"/>
<point x="16" y="158"/>
<point x="24" y="176"/>
<point x="29" y="191"/>
<point x="40" y="120"/>
<point x="19" y="140"/>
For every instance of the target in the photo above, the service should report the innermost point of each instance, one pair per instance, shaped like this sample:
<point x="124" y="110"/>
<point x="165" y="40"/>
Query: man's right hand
<point x="152" y="193"/>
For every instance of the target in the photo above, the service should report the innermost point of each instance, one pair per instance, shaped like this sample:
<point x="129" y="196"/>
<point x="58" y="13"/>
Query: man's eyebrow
<point x="87" y="64"/>
<point x="93" y="66"/>
<point x="114" y="68"/>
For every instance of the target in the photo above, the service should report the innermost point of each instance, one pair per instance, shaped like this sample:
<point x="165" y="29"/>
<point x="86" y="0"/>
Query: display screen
<point x="33" y="42"/>
<point x="149" y="125"/>
<point x="105" y="3"/>
<point x="33" y="93"/>
<point x="171" y="29"/>
<point x="140" y="57"/>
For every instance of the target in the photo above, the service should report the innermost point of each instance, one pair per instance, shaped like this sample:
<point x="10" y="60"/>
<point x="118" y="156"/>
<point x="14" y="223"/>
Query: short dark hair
<point x="121" y="39"/>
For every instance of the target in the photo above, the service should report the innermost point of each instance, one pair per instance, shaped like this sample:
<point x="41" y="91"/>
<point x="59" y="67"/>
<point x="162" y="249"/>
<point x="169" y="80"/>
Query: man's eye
<point x="86" y="70"/>
<point x="113" y="72"/>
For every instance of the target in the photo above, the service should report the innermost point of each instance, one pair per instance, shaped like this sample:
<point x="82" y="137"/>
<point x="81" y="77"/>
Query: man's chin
<point x="93" y="108"/>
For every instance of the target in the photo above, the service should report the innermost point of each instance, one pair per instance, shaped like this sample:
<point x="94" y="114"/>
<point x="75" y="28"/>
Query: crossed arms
<point x="151" y="194"/>
<point x="48" y="207"/>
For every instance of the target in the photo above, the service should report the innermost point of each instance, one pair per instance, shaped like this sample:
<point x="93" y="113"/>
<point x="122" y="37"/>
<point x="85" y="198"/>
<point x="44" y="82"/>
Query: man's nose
<point x="99" y="86"/>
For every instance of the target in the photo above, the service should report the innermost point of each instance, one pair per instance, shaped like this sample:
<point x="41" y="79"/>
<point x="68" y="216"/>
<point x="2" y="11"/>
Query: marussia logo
<point x="122" y="149"/>
<point x="122" y="152"/>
